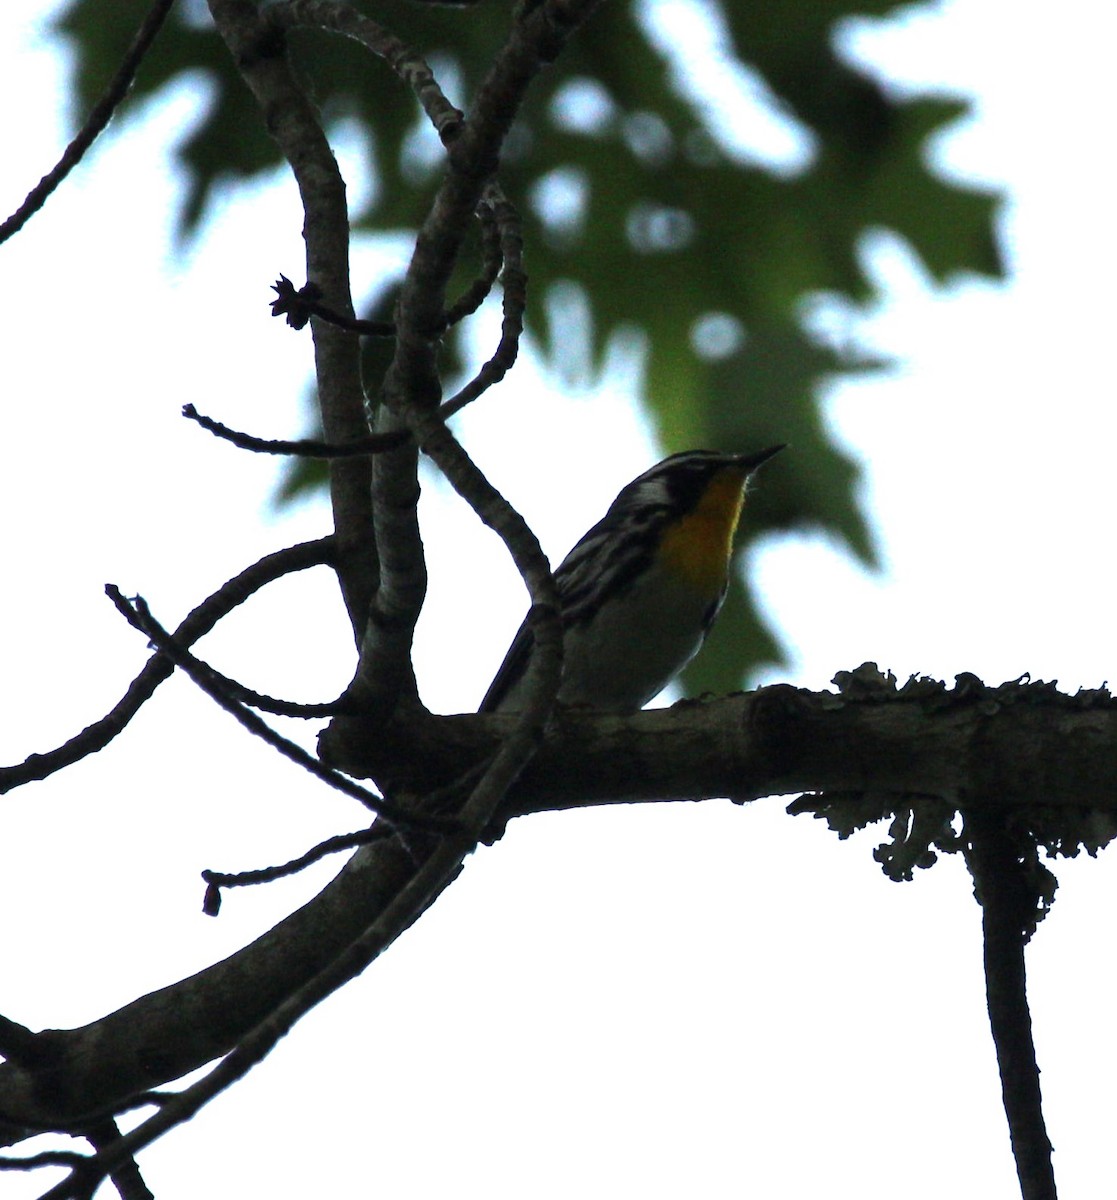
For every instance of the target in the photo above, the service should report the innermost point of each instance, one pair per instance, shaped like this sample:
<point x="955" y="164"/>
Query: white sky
<point x="660" y="1001"/>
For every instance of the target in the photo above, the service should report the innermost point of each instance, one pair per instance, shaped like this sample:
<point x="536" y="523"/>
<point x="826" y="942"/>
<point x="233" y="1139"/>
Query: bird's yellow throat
<point x="698" y="546"/>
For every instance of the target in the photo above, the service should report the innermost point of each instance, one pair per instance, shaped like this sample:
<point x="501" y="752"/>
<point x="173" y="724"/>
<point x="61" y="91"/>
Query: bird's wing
<point x="511" y="670"/>
<point x="576" y="580"/>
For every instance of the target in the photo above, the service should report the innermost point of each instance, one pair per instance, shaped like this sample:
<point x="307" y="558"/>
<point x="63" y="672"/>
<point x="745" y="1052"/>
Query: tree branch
<point x="303" y="447"/>
<point x="258" y="48"/>
<point x="139" y="616"/>
<point x="105" y="1138"/>
<point x="412" y="388"/>
<point x="16" y="1040"/>
<point x="158" y="668"/>
<point x="511" y="246"/>
<point x="1009" y="907"/>
<point x="238" y="1008"/>
<point x="969" y="746"/>
<point x="409" y="66"/>
<point x="95" y="123"/>
<point x="492" y="259"/>
<point x="216" y="880"/>
<point x="412" y="899"/>
<point x="1049" y="752"/>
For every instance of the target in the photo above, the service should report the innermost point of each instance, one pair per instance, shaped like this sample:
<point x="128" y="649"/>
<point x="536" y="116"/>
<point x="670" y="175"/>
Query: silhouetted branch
<point x="237" y="691"/>
<point x="491" y="261"/>
<point x="514" y="281"/>
<point x="411" y="390"/>
<point x="441" y="800"/>
<point x="299" y="306"/>
<point x="46" y="1158"/>
<point x="125" y="1176"/>
<point x="1009" y="907"/>
<point x="158" y="668"/>
<point x="374" y="443"/>
<point x="216" y="880"/>
<point x="17" y="1042"/>
<point x="409" y="66"/>
<point x="413" y="898"/>
<point x="98" y="118"/>
<point x="924" y="739"/>
<point x="257" y="45"/>
<point x="192" y="1023"/>
<point x="139" y="616"/>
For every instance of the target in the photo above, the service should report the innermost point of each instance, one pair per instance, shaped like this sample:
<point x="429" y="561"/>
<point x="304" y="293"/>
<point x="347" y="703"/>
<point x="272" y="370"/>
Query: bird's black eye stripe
<point x="604" y="565"/>
<point x="678" y="482"/>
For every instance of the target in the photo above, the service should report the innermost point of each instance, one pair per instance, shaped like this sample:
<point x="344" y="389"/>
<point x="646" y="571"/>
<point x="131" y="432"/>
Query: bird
<point x="641" y="589"/>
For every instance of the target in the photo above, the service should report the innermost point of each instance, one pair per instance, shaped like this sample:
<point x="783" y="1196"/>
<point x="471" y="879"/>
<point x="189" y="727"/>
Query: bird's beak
<point x="750" y="462"/>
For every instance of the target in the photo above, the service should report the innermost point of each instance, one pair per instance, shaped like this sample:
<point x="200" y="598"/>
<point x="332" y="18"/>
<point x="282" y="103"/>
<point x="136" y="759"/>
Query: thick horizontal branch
<point x="969" y="746"/>
<point x="1020" y="744"/>
<point x="69" y="1077"/>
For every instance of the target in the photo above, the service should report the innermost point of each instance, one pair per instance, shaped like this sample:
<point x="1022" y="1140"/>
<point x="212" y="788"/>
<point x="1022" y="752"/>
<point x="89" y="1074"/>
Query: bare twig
<point x="216" y="880"/>
<point x="438" y="801"/>
<point x="374" y="443"/>
<point x="95" y="123"/>
<point x="514" y="281"/>
<point x="409" y="66"/>
<point x="158" y="668"/>
<point x="412" y="389"/>
<point x="491" y="261"/>
<point x="523" y="546"/>
<point x="257" y="45"/>
<point x="125" y="1176"/>
<point x="46" y="1158"/>
<point x="237" y="691"/>
<point x="137" y="613"/>
<point x="299" y="306"/>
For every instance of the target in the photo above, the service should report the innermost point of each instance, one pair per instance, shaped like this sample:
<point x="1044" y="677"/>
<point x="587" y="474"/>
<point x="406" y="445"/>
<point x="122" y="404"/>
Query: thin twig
<point x="374" y="443"/>
<point x="433" y="802"/>
<point x="545" y="668"/>
<point x="514" y="282"/>
<point x="281" y="708"/>
<point x="491" y="261"/>
<point x="125" y="1176"/>
<point x="299" y="306"/>
<point x="139" y="616"/>
<point x="216" y="880"/>
<point x="158" y="668"/>
<point x="46" y="1158"/>
<point x="95" y="123"/>
<point x="409" y="66"/>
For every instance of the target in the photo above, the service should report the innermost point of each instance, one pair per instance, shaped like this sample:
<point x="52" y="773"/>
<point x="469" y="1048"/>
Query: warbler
<point x="640" y="591"/>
